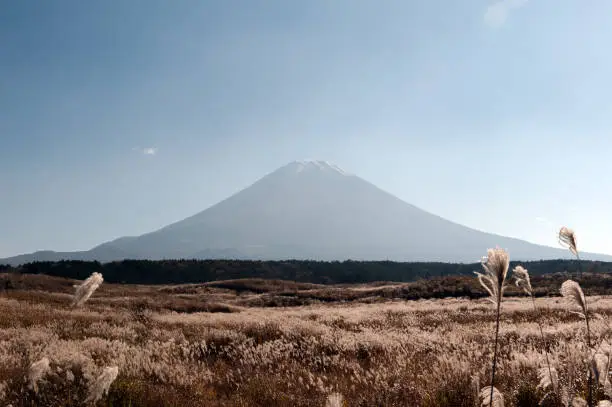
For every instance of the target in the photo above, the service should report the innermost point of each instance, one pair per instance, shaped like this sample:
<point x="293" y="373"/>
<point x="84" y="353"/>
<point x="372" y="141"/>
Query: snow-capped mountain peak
<point x="309" y="165"/>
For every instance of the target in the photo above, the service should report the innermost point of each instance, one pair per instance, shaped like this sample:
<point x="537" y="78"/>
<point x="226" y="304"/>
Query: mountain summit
<point x="311" y="210"/>
<point x="313" y="165"/>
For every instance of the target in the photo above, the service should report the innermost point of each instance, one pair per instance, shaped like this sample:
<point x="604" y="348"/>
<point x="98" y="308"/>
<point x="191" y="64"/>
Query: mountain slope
<point x="315" y="210"/>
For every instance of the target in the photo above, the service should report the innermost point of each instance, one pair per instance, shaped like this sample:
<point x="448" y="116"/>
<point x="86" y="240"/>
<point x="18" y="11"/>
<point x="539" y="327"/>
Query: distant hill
<point x="312" y="210"/>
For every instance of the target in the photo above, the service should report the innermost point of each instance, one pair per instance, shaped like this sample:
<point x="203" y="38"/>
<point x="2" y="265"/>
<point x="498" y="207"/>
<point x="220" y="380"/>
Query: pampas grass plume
<point x="567" y="238"/>
<point x="37" y="371"/>
<point x="496" y="400"/>
<point x="522" y="279"/>
<point x="579" y="402"/>
<point x="572" y="292"/>
<point x="495" y="266"/>
<point x="101" y="385"/>
<point x="86" y="289"/>
<point x="600" y="365"/>
<point x="549" y="379"/>
<point x="334" y="400"/>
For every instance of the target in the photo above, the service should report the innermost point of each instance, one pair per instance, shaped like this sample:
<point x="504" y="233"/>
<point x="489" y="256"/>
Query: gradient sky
<point x="119" y="117"/>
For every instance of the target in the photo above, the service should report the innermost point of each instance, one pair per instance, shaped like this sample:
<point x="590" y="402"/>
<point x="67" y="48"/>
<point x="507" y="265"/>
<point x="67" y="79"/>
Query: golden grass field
<point x="202" y="345"/>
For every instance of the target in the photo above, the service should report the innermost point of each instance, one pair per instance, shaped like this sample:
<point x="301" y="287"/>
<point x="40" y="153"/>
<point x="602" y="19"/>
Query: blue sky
<point x="117" y="118"/>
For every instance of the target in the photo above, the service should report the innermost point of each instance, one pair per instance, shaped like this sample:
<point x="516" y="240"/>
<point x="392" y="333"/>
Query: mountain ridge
<point x="311" y="209"/>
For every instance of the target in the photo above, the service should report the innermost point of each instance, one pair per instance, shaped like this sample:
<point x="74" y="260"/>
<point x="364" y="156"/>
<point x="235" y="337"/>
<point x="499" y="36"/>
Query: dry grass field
<point x="221" y="344"/>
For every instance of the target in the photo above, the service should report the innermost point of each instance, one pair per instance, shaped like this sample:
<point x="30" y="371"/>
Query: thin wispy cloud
<point x="497" y="13"/>
<point x="146" y="150"/>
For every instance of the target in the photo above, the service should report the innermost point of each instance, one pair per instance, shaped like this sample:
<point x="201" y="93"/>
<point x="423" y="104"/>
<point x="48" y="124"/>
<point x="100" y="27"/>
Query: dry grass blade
<point x="567" y="238"/>
<point x="572" y="292"/>
<point x="486" y="400"/>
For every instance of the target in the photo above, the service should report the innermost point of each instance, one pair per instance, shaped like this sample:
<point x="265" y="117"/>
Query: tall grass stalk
<point x="572" y="292"/>
<point x="522" y="280"/>
<point x="493" y="280"/>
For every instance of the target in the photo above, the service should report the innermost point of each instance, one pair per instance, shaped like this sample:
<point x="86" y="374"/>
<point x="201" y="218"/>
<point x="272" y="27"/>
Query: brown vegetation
<point x="278" y="343"/>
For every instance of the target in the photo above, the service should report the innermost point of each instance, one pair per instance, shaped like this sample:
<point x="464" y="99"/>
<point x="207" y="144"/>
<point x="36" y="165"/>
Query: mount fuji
<point x="311" y="210"/>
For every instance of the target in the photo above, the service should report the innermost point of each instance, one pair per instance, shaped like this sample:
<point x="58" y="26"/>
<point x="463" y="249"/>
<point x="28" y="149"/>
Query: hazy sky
<point x="119" y="117"/>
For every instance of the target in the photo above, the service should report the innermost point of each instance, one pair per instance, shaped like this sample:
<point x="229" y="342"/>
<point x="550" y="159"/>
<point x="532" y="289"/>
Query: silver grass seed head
<point x="334" y="400"/>
<point x="579" y="402"/>
<point x="567" y="238"/>
<point x="493" y="279"/>
<point x="549" y="379"/>
<point x="571" y="291"/>
<point x="100" y="386"/>
<point x="38" y="370"/>
<point x="84" y="290"/>
<point x="485" y="396"/>
<point x="522" y="280"/>
<point x="600" y="367"/>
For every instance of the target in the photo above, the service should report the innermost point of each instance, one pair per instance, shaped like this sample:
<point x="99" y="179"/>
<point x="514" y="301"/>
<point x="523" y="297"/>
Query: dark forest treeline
<point x="319" y="272"/>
